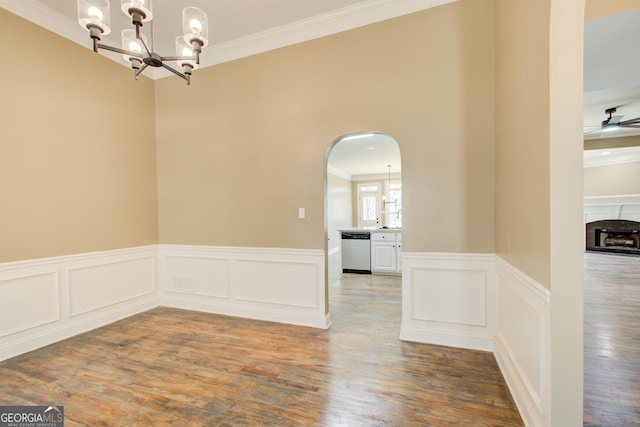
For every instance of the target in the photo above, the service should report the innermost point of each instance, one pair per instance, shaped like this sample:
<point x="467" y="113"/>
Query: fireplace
<point x="614" y="235"/>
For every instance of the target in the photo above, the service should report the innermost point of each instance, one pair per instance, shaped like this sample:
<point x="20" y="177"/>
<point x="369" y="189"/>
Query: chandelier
<point x="94" y="16"/>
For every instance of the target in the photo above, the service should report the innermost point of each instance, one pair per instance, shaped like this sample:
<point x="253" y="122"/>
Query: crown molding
<point x="336" y="21"/>
<point x="49" y="19"/>
<point x="45" y="17"/>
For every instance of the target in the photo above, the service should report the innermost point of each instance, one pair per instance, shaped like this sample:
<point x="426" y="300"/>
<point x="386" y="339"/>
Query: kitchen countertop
<point x="370" y="230"/>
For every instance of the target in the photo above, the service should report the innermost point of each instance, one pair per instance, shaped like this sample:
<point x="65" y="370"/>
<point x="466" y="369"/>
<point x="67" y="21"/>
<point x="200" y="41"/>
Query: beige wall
<point x="522" y="136"/>
<point x="64" y="191"/>
<point x="612" y="180"/>
<point x="599" y="8"/>
<point x="600" y="143"/>
<point x="243" y="148"/>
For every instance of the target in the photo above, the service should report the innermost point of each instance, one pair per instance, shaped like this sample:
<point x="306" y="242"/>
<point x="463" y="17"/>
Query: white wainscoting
<point x="46" y="300"/>
<point x="280" y="285"/>
<point x="449" y="299"/>
<point x="522" y="343"/>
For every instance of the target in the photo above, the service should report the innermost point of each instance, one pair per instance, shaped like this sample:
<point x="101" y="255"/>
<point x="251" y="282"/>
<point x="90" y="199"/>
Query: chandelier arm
<point x="153" y="38"/>
<point x="145" y="46"/>
<point x="122" y="51"/>
<point x="141" y="69"/>
<point x="178" y="58"/>
<point x="176" y="72"/>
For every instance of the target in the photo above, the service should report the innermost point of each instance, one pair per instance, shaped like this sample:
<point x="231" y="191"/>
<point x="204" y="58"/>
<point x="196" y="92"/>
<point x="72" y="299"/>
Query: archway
<point x="362" y="192"/>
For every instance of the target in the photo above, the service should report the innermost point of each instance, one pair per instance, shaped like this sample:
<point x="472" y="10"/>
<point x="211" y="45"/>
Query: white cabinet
<point x="383" y="257"/>
<point x="386" y="252"/>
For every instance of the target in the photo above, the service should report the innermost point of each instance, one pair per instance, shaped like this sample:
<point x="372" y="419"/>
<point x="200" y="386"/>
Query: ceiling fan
<point x="615" y="122"/>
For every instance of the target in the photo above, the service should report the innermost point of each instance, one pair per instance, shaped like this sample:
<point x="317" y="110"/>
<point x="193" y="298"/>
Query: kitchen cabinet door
<point x="383" y="257"/>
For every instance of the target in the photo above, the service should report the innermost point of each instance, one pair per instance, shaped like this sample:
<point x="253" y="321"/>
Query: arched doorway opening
<point x="362" y="193"/>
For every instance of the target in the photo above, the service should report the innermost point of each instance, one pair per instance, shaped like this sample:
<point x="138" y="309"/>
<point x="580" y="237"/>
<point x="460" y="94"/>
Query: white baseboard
<point x="449" y="299"/>
<point x="279" y="285"/>
<point x="522" y="343"/>
<point x="47" y="300"/>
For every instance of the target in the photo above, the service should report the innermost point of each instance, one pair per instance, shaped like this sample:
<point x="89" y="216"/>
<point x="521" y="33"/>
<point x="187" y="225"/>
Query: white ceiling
<point x="240" y="28"/>
<point x="374" y="154"/>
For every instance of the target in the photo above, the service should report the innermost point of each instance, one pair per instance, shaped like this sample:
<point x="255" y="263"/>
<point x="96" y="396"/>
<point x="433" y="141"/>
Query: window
<point x="368" y="205"/>
<point x="394" y="204"/>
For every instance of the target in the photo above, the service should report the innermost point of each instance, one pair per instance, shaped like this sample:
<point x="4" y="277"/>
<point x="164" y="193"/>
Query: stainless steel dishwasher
<point x="356" y="252"/>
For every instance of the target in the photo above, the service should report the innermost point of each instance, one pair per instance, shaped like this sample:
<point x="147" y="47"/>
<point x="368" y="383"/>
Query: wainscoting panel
<point x="292" y="284"/>
<point x="27" y="302"/>
<point x="46" y="300"/>
<point x="102" y="285"/>
<point x="280" y="285"/>
<point x="522" y="343"/>
<point x="198" y="275"/>
<point x="449" y="299"/>
<point x="462" y="301"/>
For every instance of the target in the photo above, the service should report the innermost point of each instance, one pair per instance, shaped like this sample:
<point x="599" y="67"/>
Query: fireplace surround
<point x="613" y="235"/>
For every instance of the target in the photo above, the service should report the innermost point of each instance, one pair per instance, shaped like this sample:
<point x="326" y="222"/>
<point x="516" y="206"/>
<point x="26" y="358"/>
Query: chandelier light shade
<point x="142" y="8"/>
<point x="131" y="43"/>
<point x="93" y="15"/>
<point x="184" y="50"/>
<point x="195" y="26"/>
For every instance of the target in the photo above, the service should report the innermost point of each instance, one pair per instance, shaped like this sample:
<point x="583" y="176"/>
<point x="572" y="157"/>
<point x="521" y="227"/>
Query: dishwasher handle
<point x="355" y="235"/>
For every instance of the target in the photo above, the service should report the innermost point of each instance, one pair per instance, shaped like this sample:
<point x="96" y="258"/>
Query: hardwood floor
<point x="175" y="367"/>
<point x="612" y="340"/>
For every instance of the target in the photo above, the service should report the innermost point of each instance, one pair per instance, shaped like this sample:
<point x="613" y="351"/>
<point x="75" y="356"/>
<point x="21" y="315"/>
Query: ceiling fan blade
<point x="629" y="122"/>
<point x="614" y="120"/>
<point x="597" y="129"/>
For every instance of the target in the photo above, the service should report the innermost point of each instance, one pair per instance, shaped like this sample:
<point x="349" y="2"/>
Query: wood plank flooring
<point x="175" y="367"/>
<point x="612" y="340"/>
